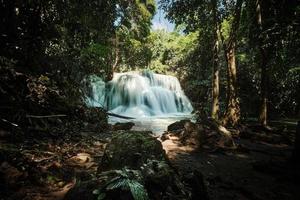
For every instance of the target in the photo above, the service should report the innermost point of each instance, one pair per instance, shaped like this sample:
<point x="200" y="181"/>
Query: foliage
<point x="67" y="41"/>
<point x="160" y="52"/>
<point x="125" y="179"/>
<point x="279" y="37"/>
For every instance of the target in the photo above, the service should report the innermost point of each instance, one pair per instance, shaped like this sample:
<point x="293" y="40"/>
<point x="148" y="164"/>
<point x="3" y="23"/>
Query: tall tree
<point x="274" y="37"/>
<point x="232" y="113"/>
<point x="211" y="15"/>
<point x="263" y="67"/>
<point x="205" y="18"/>
<point x="215" y="76"/>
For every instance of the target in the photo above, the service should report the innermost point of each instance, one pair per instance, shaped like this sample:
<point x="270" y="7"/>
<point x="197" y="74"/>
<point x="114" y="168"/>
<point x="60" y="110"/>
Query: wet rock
<point x="131" y="149"/>
<point x="179" y="125"/>
<point x="123" y="126"/>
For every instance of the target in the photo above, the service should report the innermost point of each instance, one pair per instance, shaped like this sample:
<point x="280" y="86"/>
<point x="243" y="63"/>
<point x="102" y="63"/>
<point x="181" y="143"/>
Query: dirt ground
<point x="46" y="168"/>
<point x="256" y="170"/>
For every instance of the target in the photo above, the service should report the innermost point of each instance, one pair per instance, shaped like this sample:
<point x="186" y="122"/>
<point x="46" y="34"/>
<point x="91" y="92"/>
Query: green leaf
<point x="101" y="196"/>
<point x="137" y="190"/>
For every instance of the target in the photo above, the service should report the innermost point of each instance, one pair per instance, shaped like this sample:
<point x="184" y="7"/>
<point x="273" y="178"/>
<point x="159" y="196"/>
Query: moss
<point x="131" y="149"/>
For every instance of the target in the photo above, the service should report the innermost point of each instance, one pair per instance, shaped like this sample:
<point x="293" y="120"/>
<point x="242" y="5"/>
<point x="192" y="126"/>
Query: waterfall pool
<point x="157" y="124"/>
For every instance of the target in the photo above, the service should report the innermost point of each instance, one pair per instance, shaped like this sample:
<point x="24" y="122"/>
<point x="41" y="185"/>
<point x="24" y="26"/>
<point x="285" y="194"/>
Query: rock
<point x="165" y="136"/>
<point x="123" y="126"/>
<point x="192" y="134"/>
<point x="136" y="165"/>
<point x="179" y="125"/>
<point x="188" y="133"/>
<point x="131" y="149"/>
<point x="162" y="182"/>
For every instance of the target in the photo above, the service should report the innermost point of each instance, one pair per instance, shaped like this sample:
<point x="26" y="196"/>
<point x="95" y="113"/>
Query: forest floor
<point x="259" y="169"/>
<point x="46" y="168"/>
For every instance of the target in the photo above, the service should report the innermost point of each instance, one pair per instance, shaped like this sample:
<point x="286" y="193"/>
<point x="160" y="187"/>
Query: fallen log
<point x="45" y="116"/>
<point x="62" y="115"/>
<point x="119" y="116"/>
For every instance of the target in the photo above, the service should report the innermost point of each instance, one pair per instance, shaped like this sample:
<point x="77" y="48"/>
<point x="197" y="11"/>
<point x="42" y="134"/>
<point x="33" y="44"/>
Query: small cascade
<point x="139" y="94"/>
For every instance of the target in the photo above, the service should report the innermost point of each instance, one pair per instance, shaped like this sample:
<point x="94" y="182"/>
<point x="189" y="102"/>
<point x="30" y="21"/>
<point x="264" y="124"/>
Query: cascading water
<point x="142" y="95"/>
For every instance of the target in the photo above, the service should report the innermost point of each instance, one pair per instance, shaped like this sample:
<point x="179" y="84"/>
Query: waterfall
<point x="139" y="94"/>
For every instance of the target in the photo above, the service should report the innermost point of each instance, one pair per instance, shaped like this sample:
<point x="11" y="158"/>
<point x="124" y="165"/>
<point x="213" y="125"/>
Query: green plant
<point x="126" y="180"/>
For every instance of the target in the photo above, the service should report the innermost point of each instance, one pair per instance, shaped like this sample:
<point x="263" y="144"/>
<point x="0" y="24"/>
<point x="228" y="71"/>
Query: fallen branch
<point x="120" y="116"/>
<point x="45" y="116"/>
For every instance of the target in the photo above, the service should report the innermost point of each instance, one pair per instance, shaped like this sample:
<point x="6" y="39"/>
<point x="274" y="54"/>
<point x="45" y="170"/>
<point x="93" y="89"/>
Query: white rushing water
<point x="154" y="100"/>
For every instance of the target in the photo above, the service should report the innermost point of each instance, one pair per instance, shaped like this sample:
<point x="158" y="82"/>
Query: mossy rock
<point x="131" y="149"/>
<point x="135" y="163"/>
<point x="123" y="126"/>
<point x="179" y="125"/>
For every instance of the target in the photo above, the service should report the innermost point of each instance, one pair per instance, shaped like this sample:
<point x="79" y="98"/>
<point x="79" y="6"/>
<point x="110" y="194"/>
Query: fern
<point x="125" y="180"/>
<point x="137" y="190"/>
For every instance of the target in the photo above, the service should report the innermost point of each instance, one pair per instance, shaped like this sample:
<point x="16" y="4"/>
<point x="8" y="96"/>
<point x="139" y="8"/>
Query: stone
<point x="131" y="149"/>
<point x="192" y="134"/>
<point x="136" y="157"/>
<point x="122" y="126"/>
<point x="179" y="125"/>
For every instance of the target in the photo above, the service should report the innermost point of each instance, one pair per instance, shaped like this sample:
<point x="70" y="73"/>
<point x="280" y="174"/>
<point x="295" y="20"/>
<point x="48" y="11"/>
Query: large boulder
<point x="131" y="149"/>
<point x="134" y="166"/>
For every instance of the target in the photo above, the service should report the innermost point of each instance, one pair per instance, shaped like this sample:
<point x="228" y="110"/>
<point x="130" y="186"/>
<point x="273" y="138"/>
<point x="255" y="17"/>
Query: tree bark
<point x="263" y="66"/>
<point x="215" y="75"/>
<point x="116" y="59"/>
<point x="232" y="114"/>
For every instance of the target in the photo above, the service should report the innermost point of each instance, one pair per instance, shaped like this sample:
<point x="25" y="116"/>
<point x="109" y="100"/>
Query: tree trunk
<point x="116" y="59"/>
<point x="263" y="65"/>
<point x="264" y="90"/>
<point x="215" y="75"/>
<point x="232" y="114"/>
